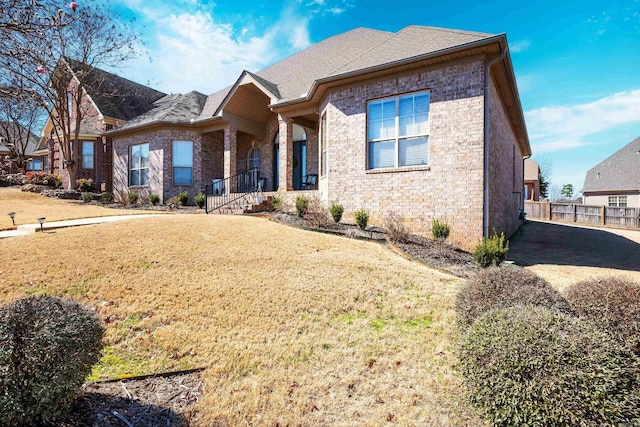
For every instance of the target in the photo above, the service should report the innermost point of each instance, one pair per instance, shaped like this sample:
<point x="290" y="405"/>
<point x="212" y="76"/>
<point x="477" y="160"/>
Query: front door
<point x="299" y="163"/>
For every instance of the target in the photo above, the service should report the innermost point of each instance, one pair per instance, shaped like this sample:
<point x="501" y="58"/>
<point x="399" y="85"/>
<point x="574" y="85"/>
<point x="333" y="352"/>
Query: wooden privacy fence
<point x="584" y="214"/>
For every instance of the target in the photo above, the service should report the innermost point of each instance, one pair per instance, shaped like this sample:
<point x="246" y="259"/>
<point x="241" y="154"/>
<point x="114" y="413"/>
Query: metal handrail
<point x="221" y="192"/>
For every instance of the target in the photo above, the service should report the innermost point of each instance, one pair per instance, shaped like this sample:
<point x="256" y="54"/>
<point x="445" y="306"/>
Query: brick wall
<point x="450" y="188"/>
<point x="505" y="169"/>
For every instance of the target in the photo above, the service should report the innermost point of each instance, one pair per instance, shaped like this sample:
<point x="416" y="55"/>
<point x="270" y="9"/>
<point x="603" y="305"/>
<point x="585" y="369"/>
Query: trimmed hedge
<point x="48" y="346"/>
<point x="538" y="367"/>
<point x="504" y="287"/>
<point x="613" y="304"/>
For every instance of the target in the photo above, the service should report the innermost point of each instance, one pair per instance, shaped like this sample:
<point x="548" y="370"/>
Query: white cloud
<point x="193" y="51"/>
<point x="323" y="7"/>
<point x="561" y="127"/>
<point x="520" y="46"/>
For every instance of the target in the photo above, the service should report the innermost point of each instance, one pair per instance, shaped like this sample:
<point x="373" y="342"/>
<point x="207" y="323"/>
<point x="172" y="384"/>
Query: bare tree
<point x="19" y="119"/>
<point x="56" y="64"/>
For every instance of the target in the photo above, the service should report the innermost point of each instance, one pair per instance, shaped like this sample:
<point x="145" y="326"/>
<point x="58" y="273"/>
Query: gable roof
<point x="618" y="172"/>
<point x="115" y="96"/>
<point x="32" y="143"/>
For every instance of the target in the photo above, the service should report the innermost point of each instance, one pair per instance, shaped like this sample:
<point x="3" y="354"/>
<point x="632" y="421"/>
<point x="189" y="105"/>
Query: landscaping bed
<point x="152" y="401"/>
<point x="441" y="255"/>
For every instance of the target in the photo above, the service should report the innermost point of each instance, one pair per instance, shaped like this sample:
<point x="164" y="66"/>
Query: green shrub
<point x="277" y="204"/>
<point x="336" y="211"/>
<point x="47" y="348"/>
<point x="107" y="197"/>
<point x="302" y="206"/>
<point x="613" y="304"/>
<point x="86" y="185"/>
<point x="362" y="218"/>
<point x="491" y="251"/>
<point x="133" y="197"/>
<point x="538" y="367"/>
<point x="397" y="230"/>
<point x="440" y="230"/>
<point x="154" y="198"/>
<point x="505" y="287"/>
<point x="87" y="197"/>
<point x="183" y="198"/>
<point x="199" y="199"/>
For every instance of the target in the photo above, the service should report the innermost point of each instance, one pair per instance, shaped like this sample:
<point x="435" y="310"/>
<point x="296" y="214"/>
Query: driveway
<point x="564" y="254"/>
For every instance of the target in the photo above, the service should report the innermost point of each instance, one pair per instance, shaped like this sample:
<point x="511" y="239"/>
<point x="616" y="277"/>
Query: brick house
<point x="107" y="102"/>
<point x="425" y="122"/>
<point x="13" y="138"/>
<point x="615" y="181"/>
<point x="531" y="180"/>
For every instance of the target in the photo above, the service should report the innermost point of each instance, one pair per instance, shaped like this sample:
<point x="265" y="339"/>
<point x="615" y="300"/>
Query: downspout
<point x="487" y="83"/>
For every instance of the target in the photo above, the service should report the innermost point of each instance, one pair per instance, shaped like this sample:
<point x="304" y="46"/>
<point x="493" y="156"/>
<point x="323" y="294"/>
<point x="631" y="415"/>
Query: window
<point x="618" y="201"/>
<point x="253" y="159"/>
<point x="323" y="145"/>
<point x="87" y="154"/>
<point x="182" y="163"/>
<point x="34" y="165"/>
<point x="398" y="131"/>
<point x="139" y="165"/>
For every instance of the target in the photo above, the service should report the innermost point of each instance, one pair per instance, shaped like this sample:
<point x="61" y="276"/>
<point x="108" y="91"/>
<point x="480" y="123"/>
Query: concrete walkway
<point x="23" y="230"/>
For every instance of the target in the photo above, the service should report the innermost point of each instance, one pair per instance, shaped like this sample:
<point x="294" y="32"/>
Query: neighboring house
<point x="425" y="122"/>
<point x="616" y="180"/>
<point x="531" y="180"/>
<point x="108" y="101"/>
<point x="35" y="159"/>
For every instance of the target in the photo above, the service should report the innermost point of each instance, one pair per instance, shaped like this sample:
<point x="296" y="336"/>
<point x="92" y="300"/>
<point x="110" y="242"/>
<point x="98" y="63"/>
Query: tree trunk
<point x="72" y="170"/>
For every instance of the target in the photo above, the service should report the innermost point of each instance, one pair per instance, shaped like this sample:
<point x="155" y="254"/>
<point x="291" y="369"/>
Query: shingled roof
<point x="355" y="50"/>
<point x="12" y="128"/>
<point x="618" y="172"/>
<point x="115" y="96"/>
<point x="171" y="108"/>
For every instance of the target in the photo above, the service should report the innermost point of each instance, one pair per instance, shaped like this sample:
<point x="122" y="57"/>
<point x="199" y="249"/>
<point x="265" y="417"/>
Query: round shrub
<point x="538" y="367"/>
<point x="302" y="206"/>
<point x="336" y="210"/>
<point x="183" y="198"/>
<point x="362" y="218"/>
<point x="154" y="198"/>
<point x="199" y="199"/>
<point x="440" y="230"/>
<point x="613" y="304"/>
<point x="47" y="348"/>
<point x="504" y="287"/>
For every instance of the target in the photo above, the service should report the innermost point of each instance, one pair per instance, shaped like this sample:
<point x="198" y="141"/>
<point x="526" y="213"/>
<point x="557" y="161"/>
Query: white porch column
<point x="286" y="153"/>
<point x="230" y="151"/>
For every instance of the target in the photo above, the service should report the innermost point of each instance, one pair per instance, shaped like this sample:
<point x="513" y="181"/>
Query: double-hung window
<point x="139" y="165"/>
<point x="182" y="163"/>
<point x="398" y="131"/>
<point x="87" y="154"/>
<point x="618" y="201"/>
<point x="34" y="165"/>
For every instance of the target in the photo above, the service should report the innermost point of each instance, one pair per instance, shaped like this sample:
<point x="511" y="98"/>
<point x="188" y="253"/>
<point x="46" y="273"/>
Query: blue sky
<point x="577" y="63"/>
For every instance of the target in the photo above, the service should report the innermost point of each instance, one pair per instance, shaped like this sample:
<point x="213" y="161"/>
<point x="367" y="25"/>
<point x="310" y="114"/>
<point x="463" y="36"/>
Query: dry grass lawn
<point x="294" y="327"/>
<point x="29" y="206"/>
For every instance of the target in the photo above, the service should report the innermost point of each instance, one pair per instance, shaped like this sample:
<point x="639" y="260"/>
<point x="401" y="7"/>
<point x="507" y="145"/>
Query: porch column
<point x="286" y="153"/>
<point x="230" y="151"/>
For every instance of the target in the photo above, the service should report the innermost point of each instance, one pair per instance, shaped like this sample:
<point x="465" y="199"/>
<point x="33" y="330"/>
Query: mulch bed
<point x="442" y="256"/>
<point x="155" y="401"/>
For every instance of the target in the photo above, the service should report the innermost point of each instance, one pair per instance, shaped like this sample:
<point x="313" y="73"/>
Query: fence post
<point x="604" y="215"/>
<point x="575" y="213"/>
<point x="549" y="210"/>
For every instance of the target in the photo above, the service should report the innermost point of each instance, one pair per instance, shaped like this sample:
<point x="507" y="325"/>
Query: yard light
<point x="41" y="221"/>
<point x="12" y="215"/>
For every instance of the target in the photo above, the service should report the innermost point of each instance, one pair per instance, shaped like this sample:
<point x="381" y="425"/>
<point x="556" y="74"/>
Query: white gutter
<point x="487" y="84"/>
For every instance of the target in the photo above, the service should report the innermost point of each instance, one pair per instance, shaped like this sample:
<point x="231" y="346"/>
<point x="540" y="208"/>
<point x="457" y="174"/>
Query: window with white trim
<point x="182" y="163"/>
<point x="87" y="154"/>
<point x="323" y="145"/>
<point x="618" y="201"/>
<point x="139" y="165"/>
<point x="398" y="131"/>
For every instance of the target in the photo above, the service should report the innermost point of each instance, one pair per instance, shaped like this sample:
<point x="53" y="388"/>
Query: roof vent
<point x="598" y="175"/>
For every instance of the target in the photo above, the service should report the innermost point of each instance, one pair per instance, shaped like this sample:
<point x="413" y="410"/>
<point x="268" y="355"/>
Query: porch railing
<point x="223" y="191"/>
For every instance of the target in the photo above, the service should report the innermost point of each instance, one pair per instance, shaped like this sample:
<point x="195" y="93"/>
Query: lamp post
<point x="41" y="221"/>
<point x="12" y="215"/>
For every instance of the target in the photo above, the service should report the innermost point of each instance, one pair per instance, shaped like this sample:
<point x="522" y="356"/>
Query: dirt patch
<point x="442" y="256"/>
<point x="150" y="402"/>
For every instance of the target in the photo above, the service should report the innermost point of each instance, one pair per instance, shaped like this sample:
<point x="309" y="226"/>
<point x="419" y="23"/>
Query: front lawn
<point x="294" y="327"/>
<point x="29" y="206"/>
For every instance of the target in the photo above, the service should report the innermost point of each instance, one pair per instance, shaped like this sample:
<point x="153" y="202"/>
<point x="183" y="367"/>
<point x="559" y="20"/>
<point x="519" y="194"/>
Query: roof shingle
<point x="618" y="172"/>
